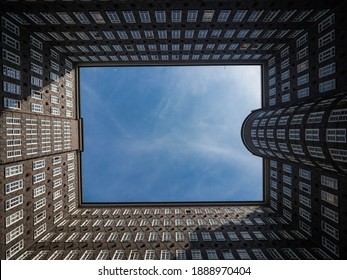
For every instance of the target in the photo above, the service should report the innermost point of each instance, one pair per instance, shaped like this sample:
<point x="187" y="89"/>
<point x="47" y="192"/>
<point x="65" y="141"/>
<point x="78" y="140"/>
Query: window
<point x="312" y="134"/>
<point x="302" y="66"/>
<point x="227" y="254"/>
<point x="38" y="177"/>
<point x="40" y="230"/>
<point x="294" y="134"/>
<point x="327" y="54"/>
<point x="13" y="202"/>
<point x="330" y="214"/>
<point x="330" y="198"/>
<point x="315" y="151"/>
<point x="326" y="23"/>
<point x="297" y="119"/>
<point x="328" y="85"/>
<point x="176" y="15"/>
<point x="303" y="92"/>
<point x="39" y="190"/>
<point x="192" y="15"/>
<point x="223" y="16"/>
<point x="305" y="174"/>
<point x="305" y="200"/>
<point x="302" y="40"/>
<point x="302" y="53"/>
<point x="305" y="187"/>
<point x="336" y="135"/>
<point x="13" y="186"/>
<point x="238" y="17"/>
<point x="113" y="17"/>
<point x="332" y="247"/>
<point x="196" y="254"/>
<point x="303" y="79"/>
<point x="243" y="254"/>
<point x="13" y="170"/>
<point x="255" y="15"/>
<point x="315" y="117"/>
<point x="129" y="16"/>
<point x="37" y="108"/>
<point x="11" y="57"/>
<point x="326" y="39"/>
<point x="12" y="103"/>
<point x="285" y="75"/>
<point x="329" y="229"/>
<point x="14" y="249"/>
<point x="12" y="73"/>
<point x="10" y="26"/>
<point x="270" y="15"/>
<point x="13" y="218"/>
<point x="327" y="70"/>
<point x="259" y="235"/>
<point x="39" y="204"/>
<point x="338" y="154"/>
<point x="160" y="16"/>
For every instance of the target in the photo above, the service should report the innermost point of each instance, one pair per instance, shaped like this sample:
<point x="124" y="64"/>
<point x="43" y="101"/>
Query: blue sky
<point x="168" y="134"/>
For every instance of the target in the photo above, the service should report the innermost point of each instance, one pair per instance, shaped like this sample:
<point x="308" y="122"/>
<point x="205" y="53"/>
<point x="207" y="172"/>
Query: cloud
<point x="187" y="136"/>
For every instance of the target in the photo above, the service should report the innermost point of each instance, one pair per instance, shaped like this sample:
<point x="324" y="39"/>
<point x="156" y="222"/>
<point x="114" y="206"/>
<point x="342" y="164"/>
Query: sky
<point x="168" y="134"/>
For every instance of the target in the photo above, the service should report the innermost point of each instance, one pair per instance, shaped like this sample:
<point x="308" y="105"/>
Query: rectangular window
<point x="315" y="151"/>
<point x="13" y="186"/>
<point x="36" y="55"/>
<point x="38" y="164"/>
<point x="305" y="174"/>
<point x="312" y="134"/>
<point x="40" y="230"/>
<point x="39" y="204"/>
<point x="315" y="117"/>
<point x="326" y="39"/>
<point x="37" y="108"/>
<point x="327" y="70"/>
<point x="331" y="246"/>
<point x="338" y="115"/>
<point x="297" y="119"/>
<point x="13" y="218"/>
<point x="338" y="154"/>
<point x="11" y="57"/>
<point x="10" y="72"/>
<point x="13" y="202"/>
<point x="39" y="190"/>
<point x="305" y="214"/>
<point x="327" y="54"/>
<point x="303" y="92"/>
<point x="14" y="249"/>
<point x="223" y="16"/>
<point x="302" y="66"/>
<point x="160" y="16"/>
<point x="303" y="79"/>
<point x="336" y="135"/>
<point x="285" y="75"/>
<point x="270" y="15"/>
<point x="330" y="214"/>
<point x="328" y="85"/>
<point x="11" y="88"/>
<point x="294" y="134"/>
<point x="305" y="200"/>
<point x="326" y="23"/>
<point x="13" y="170"/>
<point x="302" y="53"/>
<point x="329" y="229"/>
<point x="38" y="177"/>
<point x="10" y="26"/>
<point x="238" y="17"/>
<point x="330" y="198"/>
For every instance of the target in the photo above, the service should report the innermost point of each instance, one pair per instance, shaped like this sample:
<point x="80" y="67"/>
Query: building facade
<point x="300" y="131"/>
